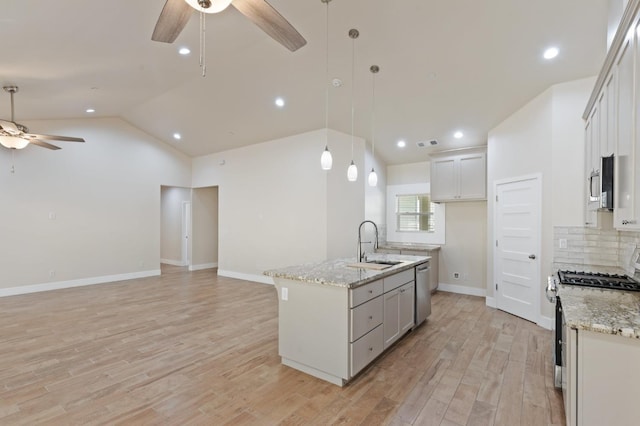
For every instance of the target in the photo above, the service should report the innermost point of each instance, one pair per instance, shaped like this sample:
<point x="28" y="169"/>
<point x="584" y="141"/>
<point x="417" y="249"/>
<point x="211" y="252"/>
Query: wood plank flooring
<point x="191" y="348"/>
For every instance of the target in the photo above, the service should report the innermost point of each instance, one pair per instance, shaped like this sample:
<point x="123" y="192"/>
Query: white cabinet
<point x="602" y="380"/>
<point x="399" y="304"/>
<point x="626" y="194"/>
<point x="459" y="175"/>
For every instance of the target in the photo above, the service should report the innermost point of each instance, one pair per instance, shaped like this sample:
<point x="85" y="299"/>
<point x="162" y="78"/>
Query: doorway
<point x="517" y="246"/>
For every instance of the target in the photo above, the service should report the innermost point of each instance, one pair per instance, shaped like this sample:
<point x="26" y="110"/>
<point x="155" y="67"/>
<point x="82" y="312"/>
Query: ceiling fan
<point x="17" y="136"/>
<point x="176" y="13"/>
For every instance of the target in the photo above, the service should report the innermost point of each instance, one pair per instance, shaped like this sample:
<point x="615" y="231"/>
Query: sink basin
<point x="375" y="264"/>
<point x="384" y="262"/>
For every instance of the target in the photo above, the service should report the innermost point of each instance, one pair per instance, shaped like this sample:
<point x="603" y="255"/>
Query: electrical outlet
<point x="52" y="273"/>
<point x="52" y="215"/>
<point x="285" y="293"/>
<point x="456" y="275"/>
<point x="562" y="243"/>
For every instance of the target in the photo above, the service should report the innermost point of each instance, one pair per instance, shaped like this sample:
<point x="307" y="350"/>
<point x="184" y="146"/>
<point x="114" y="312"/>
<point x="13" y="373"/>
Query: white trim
<point x="491" y="302"/>
<point x="547" y="322"/>
<point x="247" y="277"/>
<point x="461" y="289"/>
<point x="203" y="266"/>
<point x="172" y="262"/>
<point x="35" y="288"/>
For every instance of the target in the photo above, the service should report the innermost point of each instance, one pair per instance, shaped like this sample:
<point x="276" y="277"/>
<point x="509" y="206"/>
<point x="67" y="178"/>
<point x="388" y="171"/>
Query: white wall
<point x="204" y="237"/>
<point x="465" y="240"/>
<point x="278" y="208"/>
<point x="172" y="199"/>
<point x="545" y="136"/>
<point x="105" y="195"/>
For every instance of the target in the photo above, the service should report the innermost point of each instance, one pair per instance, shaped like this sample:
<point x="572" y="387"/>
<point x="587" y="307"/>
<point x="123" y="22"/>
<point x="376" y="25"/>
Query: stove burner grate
<point x="599" y="280"/>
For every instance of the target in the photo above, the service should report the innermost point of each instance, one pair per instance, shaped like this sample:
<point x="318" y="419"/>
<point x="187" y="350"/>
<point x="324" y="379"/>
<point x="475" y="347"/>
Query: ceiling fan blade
<point x="173" y="18"/>
<point x="43" y="144"/>
<point x="53" y="138"/>
<point x="271" y="22"/>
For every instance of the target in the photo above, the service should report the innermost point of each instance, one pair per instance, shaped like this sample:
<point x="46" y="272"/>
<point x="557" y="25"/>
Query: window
<point x="415" y="213"/>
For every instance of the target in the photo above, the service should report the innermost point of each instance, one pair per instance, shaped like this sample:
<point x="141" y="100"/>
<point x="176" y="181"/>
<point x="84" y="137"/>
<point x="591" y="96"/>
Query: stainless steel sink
<point x="384" y="262"/>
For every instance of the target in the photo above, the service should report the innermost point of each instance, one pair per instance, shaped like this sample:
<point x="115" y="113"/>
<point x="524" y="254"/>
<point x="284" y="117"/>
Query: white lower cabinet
<point x="366" y="349"/>
<point x="398" y="312"/>
<point x="603" y="380"/>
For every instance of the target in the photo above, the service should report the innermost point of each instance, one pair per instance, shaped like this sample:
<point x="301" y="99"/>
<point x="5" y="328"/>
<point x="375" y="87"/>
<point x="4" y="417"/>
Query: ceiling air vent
<point x="424" y="144"/>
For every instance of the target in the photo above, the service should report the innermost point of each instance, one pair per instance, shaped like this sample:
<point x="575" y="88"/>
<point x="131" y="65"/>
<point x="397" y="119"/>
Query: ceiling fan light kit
<point x="17" y="136"/>
<point x="209" y="6"/>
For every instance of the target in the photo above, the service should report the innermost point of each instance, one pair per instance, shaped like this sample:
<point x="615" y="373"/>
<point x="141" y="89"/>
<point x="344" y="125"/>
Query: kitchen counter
<point x="336" y="272"/>
<point x="602" y="311"/>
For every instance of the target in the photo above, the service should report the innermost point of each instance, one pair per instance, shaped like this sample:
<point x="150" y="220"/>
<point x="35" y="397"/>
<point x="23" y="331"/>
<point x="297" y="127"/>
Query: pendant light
<point x="326" y="161"/>
<point x="352" y="171"/>
<point x="373" y="177"/>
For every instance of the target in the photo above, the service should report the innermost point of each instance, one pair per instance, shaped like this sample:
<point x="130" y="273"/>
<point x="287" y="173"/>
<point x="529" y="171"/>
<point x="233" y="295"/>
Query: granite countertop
<point x="408" y="246"/>
<point x="602" y="311"/>
<point x="336" y="272"/>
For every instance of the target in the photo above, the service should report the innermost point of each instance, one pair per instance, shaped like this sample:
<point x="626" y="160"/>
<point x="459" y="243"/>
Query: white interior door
<point x="517" y="246"/>
<point x="186" y="233"/>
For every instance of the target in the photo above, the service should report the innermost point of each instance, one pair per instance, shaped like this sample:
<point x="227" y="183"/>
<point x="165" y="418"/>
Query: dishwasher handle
<point x="423" y="268"/>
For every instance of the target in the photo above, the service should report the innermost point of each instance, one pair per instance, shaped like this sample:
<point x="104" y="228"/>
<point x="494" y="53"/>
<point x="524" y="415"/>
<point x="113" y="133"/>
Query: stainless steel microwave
<point x="601" y="185"/>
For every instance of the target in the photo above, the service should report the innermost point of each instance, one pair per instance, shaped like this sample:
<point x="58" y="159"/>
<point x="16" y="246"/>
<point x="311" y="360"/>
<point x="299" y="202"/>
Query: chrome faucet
<point x="361" y="255"/>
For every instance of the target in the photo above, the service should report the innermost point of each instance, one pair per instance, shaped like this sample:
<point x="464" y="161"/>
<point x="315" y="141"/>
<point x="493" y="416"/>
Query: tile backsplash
<point x="591" y="247"/>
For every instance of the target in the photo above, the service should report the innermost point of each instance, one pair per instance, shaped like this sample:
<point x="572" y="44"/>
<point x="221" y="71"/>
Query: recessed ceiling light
<point x="458" y="134"/>
<point x="90" y="110"/>
<point x="279" y="102"/>
<point x="177" y="136"/>
<point x="551" y="53"/>
<point x="401" y="144"/>
<point x="184" y="51"/>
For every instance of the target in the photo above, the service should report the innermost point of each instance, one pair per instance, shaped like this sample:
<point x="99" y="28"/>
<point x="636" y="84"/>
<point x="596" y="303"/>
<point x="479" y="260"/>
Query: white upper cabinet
<point x="459" y="175"/>
<point x="613" y="124"/>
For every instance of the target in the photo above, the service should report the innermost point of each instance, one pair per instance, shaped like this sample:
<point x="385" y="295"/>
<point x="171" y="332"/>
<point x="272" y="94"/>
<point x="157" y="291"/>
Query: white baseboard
<point x="247" y="277"/>
<point x="491" y="302"/>
<point x="547" y="322"/>
<point x="35" y="288"/>
<point x="461" y="289"/>
<point x="172" y="262"/>
<point x="203" y="266"/>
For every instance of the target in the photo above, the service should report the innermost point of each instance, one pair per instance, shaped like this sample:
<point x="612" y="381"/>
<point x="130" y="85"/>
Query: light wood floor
<point x="192" y="348"/>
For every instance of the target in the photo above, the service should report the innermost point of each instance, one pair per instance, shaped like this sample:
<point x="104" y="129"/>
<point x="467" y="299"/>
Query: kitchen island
<point x="336" y="317"/>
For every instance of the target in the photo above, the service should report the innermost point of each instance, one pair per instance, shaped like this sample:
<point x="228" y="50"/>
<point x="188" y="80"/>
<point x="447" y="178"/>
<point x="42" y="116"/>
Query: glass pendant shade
<point x="13" y="142"/>
<point x="352" y="172"/>
<point x="326" y="160"/>
<point x="216" y="5"/>
<point x="373" y="178"/>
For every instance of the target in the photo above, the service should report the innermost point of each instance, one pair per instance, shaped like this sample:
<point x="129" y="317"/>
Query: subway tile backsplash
<point x="591" y="247"/>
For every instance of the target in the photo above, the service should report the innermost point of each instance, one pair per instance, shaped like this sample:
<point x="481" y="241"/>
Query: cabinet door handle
<point x="370" y="349"/>
<point x="370" y="317"/>
<point x="370" y="291"/>
<point x="629" y="222"/>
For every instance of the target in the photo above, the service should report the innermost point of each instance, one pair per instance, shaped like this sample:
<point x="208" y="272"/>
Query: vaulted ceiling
<point x="444" y="65"/>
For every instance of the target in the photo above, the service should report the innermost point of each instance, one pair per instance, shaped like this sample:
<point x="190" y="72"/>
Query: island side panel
<point x="313" y="326"/>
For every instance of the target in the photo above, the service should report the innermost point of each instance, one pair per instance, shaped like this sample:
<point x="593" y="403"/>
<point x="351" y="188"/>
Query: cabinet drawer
<point x="366" y="292"/>
<point x="395" y="281"/>
<point x="366" y="349"/>
<point x="366" y="317"/>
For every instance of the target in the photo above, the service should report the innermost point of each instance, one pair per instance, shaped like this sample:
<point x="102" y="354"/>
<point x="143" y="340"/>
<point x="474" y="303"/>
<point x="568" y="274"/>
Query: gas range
<point x="599" y="280"/>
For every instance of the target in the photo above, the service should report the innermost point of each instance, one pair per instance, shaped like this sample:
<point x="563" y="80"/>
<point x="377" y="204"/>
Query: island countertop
<point x="336" y="272"/>
<point x="602" y="311"/>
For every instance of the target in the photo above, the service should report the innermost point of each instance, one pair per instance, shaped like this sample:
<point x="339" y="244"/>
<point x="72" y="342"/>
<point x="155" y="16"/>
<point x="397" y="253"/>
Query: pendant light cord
<point x="353" y="83"/>
<point x="373" y="116"/>
<point x="203" y="29"/>
<point x="326" y="81"/>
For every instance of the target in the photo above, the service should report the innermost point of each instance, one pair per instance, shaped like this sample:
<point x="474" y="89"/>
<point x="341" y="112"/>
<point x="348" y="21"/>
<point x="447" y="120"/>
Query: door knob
<point x="532" y="256"/>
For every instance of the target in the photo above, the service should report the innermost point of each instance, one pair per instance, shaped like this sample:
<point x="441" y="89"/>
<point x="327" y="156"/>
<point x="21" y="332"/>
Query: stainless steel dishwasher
<point x="423" y="293"/>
